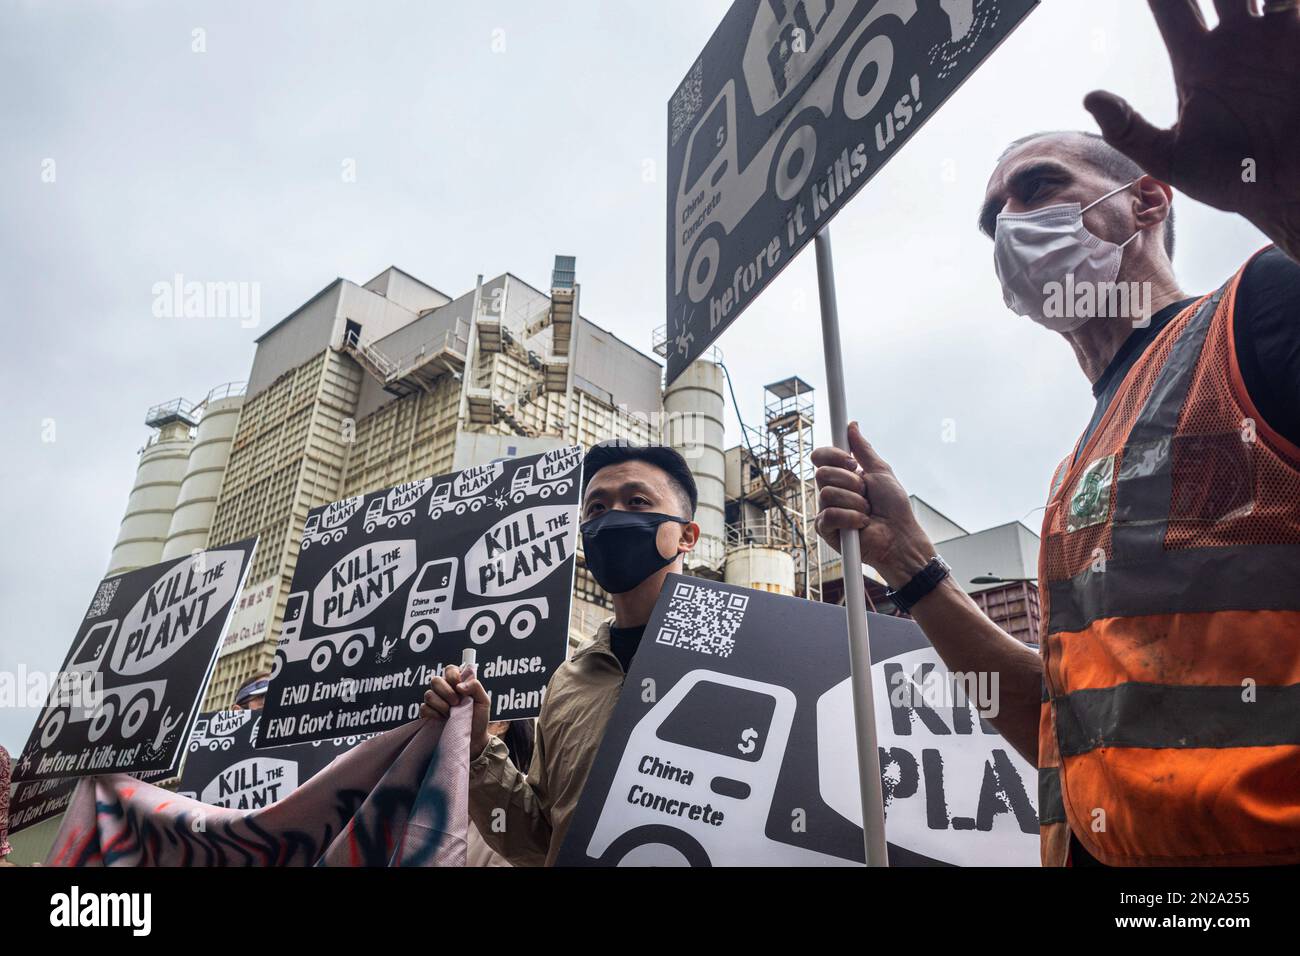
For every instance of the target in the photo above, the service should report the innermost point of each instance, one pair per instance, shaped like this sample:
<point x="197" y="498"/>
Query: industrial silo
<point x="158" y="477"/>
<point x="693" y="425"/>
<point x="197" y="499"/>
<point x="761" y="567"/>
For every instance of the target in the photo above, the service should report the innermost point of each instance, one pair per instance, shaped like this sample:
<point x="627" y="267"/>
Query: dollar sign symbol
<point x="747" y="738"/>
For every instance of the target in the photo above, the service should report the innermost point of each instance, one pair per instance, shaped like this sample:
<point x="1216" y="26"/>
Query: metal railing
<point x="226" y="390"/>
<point x="451" y="341"/>
<point x="176" y="406"/>
<point x="764" y="536"/>
<point x="391" y="369"/>
<point x="381" y="362"/>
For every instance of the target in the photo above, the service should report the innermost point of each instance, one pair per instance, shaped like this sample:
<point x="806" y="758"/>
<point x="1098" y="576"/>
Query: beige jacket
<point x="478" y="853"/>
<point x="524" y="818"/>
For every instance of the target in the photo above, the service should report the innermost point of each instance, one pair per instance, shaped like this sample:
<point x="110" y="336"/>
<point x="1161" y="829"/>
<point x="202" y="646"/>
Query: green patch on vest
<point x="1090" y="503"/>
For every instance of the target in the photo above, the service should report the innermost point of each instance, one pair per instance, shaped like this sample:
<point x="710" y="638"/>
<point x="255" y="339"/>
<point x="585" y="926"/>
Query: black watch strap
<point x="925" y="581"/>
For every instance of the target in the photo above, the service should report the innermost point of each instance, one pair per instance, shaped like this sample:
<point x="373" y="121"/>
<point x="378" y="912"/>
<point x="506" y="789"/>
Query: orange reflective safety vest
<point x="1170" y="585"/>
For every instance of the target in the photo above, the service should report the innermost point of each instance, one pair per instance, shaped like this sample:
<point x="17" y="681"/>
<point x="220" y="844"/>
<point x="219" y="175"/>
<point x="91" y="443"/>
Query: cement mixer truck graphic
<point x="551" y="475"/>
<point x="715" y="194"/>
<point x="348" y="644"/>
<point x="99" y="705"/>
<point x="397" y="506"/>
<point x="700" y="790"/>
<point x="731" y="734"/>
<point x="330" y="523"/>
<point x="466" y="492"/>
<point x="217" y="731"/>
<point x="430" y="610"/>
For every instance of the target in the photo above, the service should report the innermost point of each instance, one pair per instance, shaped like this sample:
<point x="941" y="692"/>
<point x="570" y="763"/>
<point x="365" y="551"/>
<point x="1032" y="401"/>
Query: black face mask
<point x="620" y="547"/>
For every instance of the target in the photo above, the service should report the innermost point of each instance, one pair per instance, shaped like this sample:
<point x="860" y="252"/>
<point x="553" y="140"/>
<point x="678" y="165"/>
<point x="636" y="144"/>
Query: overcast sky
<point x="486" y="137"/>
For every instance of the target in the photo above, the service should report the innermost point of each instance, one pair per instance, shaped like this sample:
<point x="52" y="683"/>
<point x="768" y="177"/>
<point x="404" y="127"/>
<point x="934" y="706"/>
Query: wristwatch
<point x="925" y="581"/>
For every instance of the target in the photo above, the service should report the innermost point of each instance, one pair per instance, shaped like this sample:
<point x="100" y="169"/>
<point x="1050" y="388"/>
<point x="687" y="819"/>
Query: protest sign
<point x="789" y="110"/>
<point x="732" y="744"/>
<point x="221" y="767"/>
<point x="35" y="801"/>
<point x="129" y="689"/>
<point x="224" y="768"/>
<point x="411" y="576"/>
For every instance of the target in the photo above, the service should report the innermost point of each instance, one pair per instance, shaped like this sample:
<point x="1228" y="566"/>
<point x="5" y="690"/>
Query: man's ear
<point x="690" y="537"/>
<point x="1154" y="201"/>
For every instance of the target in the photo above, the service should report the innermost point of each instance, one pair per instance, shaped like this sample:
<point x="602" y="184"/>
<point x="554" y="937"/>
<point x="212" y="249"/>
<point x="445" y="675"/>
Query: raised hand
<point x="1236" y="143"/>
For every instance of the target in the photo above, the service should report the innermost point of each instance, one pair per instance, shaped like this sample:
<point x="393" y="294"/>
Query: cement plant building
<point x="363" y="387"/>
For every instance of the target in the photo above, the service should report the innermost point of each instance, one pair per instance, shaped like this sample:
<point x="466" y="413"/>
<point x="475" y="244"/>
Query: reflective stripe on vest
<point x="1051" y="809"/>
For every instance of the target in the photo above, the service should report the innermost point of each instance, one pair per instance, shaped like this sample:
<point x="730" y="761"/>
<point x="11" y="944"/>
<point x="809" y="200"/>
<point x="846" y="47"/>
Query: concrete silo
<point x="158" y="477"/>
<point x="693" y="425"/>
<point x="761" y="567"/>
<point x="197" y="500"/>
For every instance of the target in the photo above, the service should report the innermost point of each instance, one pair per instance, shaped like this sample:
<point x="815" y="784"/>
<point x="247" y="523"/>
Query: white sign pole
<point x="864" y="706"/>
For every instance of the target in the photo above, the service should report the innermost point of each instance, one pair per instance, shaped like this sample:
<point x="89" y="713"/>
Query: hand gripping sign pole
<point x="864" y="705"/>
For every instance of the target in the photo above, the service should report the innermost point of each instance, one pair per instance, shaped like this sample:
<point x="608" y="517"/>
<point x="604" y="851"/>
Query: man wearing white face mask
<point x="1041" y="254"/>
<point x="1164" y="710"/>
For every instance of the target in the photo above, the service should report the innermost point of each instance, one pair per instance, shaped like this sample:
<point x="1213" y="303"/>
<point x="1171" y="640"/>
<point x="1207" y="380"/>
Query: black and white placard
<point x="35" y="801"/>
<point x="129" y="689"/>
<point x="790" y="109"/>
<point x="225" y="768"/>
<point x="732" y="744"/>
<point x="392" y="586"/>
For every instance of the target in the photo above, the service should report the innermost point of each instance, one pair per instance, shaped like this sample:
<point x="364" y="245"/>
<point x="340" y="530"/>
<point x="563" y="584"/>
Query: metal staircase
<point x="416" y="371"/>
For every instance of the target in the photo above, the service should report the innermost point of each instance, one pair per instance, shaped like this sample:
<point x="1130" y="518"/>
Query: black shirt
<point x="1267" y="337"/>
<point x="624" y="641"/>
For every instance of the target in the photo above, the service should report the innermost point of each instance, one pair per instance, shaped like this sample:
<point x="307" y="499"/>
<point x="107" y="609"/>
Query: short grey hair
<point x="1108" y="161"/>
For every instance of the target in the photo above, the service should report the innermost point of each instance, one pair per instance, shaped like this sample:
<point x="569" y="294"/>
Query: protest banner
<point x="732" y="744"/>
<point x="129" y="689"/>
<point x="410" y="577"/>
<point x="397" y="799"/>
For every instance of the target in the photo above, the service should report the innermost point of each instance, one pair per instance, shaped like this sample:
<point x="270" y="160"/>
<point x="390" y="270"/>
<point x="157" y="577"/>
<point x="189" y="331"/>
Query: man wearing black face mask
<point x="637" y="509"/>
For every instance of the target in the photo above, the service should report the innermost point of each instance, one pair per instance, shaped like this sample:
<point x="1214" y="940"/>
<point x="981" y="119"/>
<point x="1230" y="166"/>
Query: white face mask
<point x="1034" y="250"/>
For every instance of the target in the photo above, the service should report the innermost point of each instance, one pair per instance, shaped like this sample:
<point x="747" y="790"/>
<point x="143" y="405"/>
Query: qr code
<point x="103" y="597"/>
<point x="702" y="619"/>
<point x="686" y="102"/>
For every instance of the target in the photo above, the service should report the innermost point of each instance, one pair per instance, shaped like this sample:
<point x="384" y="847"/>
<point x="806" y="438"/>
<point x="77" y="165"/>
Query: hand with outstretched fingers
<point x="1236" y="143"/>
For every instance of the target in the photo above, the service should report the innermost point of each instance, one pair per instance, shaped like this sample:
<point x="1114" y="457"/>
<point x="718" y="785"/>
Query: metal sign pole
<point x="864" y="707"/>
